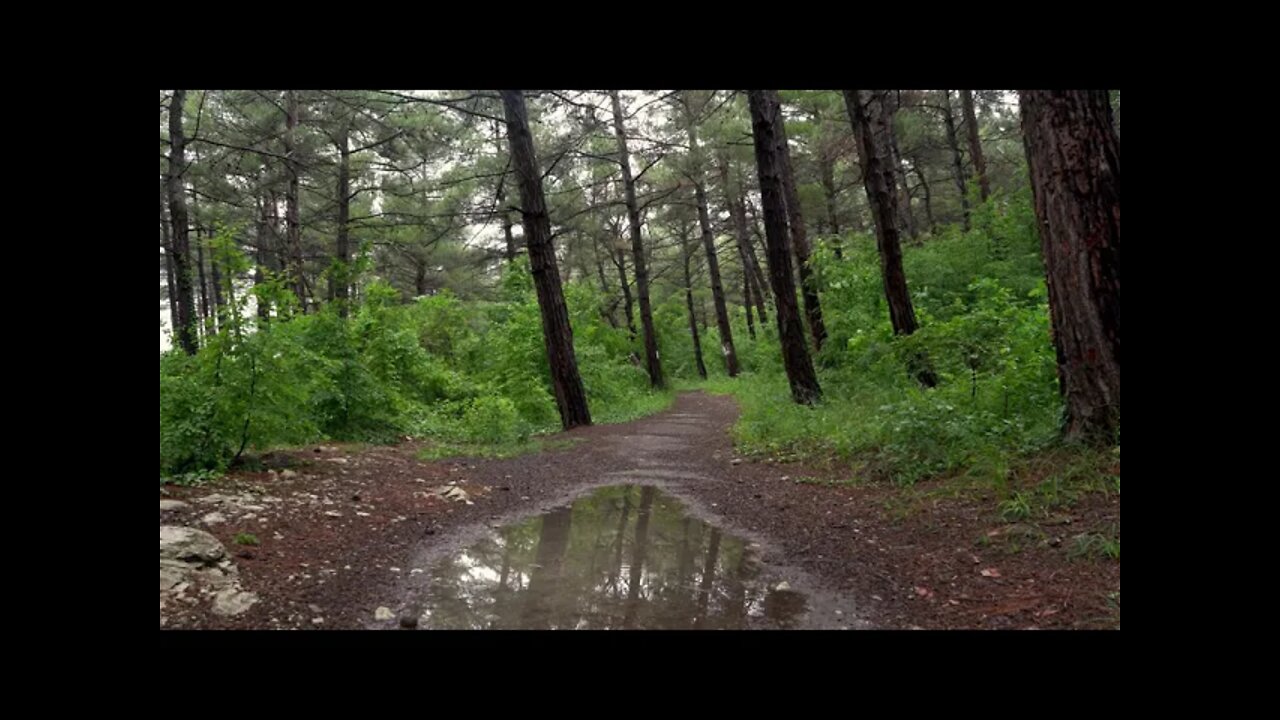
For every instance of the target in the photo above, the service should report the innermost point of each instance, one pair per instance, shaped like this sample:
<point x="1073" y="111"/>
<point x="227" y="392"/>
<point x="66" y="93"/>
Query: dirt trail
<point x="342" y="532"/>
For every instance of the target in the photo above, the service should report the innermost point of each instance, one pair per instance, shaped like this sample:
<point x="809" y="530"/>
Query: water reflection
<point x="623" y="557"/>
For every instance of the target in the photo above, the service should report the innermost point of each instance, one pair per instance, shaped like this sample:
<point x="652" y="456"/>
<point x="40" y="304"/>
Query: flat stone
<point x="172" y="505"/>
<point x="213" y="518"/>
<point x="383" y="614"/>
<point x="189" y="544"/>
<point x="231" y="602"/>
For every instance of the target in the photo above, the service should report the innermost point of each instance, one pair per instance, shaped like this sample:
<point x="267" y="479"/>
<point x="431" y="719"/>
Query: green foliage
<point x="984" y="324"/>
<point x="1095" y="545"/>
<point x="471" y="375"/>
<point x="244" y="538"/>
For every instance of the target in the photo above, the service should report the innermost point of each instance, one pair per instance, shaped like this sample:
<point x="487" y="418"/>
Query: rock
<point x="214" y="499"/>
<point x="172" y="505"/>
<point x="782" y="586"/>
<point x="189" y="544"/>
<point x="287" y="474"/>
<point x="383" y="613"/>
<point x="333" y="513"/>
<point x="394" y="569"/>
<point x="314" y="608"/>
<point x="736" y="461"/>
<point x="416" y="571"/>
<point x="317" y="621"/>
<point x="232" y="601"/>
<point x="171" y="574"/>
<point x="213" y="518"/>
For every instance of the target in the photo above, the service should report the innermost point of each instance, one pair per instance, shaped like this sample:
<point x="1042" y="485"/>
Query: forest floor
<point x="325" y="536"/>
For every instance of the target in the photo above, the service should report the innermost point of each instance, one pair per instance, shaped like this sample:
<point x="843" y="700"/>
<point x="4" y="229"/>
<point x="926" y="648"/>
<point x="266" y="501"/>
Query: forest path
<point x="359" y="537"/>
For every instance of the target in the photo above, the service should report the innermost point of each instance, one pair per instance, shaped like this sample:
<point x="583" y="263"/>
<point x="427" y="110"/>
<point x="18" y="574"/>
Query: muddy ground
<point x="340" y="530"/>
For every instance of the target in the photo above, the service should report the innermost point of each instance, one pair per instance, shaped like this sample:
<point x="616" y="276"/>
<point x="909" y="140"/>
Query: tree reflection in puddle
<point x="624" y="556"/>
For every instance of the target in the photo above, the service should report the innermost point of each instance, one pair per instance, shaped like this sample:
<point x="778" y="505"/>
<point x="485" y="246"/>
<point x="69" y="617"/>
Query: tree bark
<point x="185" y="323"/>
<point x="975" y="146"/>
<point x="799" y="240"/>
<point x="928" y="199"/>
<point x="204" y="283"/>
<point x="957" y="166"/>
<point x="652" y="362"/>
<point x="750" y="264"/>
<point x="571" y="398"/>
<point x="766" y="119"/>
<point x="263" y="236"/>
<point x="340" y="279"/>
<point x="620" y="261"/>
<point x="826" y="167"/>
<point x="502" y="203"/>
<point x="1073" y="155"/>
<point x="168" y="263"/>
<point x="687" y="252"/>
<point x="292" y="221"/>
<point x="877" y="177"/>
<point x="746" y="294"/>
<point x="709" y="245"/>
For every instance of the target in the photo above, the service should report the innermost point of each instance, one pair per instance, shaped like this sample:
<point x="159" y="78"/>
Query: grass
<point x="1095" y="545"/>
<point x="245" y="539"/>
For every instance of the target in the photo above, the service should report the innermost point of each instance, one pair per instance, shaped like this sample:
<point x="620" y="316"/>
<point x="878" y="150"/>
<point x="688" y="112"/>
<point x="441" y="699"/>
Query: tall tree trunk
<point x="340" y="279"/>
<point x="652" y="362"/>
<point x="185" y="323"/>
<point x="957" y="166"/>
<point x="827" y="169"/>
<point x="620" y="261"/>
<point x="503" y="213"/>
<point x="877" y="177"/>
<point x="294" y="224"/>
<point x="928" y="199"/>
<point x="890" y="108"/>
<point x="900" y="179"/>
<point x="709" y="244"/>
<point x="975" y="146"/>
<point x="1073" y="154"/>
<point x="263" y="235"/>
<point x="204" y="283"/>
<point x="750" y="265"/>
<point x="687" y="252"/>
<point x="420" y="278"/>
<point x="168" y="263"/>
<point x="605" y="312"/>
<point x="215" y="302"/>
<point x="571" y="398"/>
<point x="746" y="294"/>
<point x="799" y="240"/>
<point x="766" y="119"/>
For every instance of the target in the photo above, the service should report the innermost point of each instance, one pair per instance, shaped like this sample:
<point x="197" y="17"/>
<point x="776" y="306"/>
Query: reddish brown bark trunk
<point x="571" y="398"/>
<point x="652" y="362"/>
<point x="866" y="114"/>
<point x="766" y="119"/>
<point x="800" y="240"/>
<point x="1073" y="155"/>
<point x="975" y="146"/>
<point x="185" y="323"/>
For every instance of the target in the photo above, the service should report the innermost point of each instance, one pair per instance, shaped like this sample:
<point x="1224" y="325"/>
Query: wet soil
<point x="347" y="530"/>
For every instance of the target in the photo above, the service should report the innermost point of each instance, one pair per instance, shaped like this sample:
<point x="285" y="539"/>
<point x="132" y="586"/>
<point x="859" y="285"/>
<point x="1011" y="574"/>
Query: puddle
<point x="624" y="556"/>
